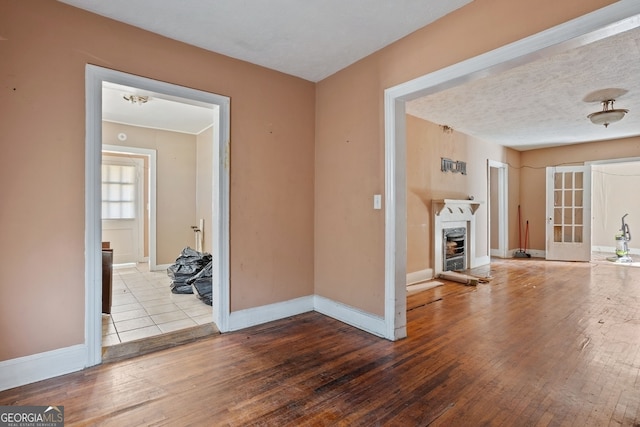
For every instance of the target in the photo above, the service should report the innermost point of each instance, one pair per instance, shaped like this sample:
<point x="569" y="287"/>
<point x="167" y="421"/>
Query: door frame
<point x="94" y="78"/>
<point x="610" y="20"/>
<point x="503" y="208"/>
<point x="138" y="244"/>
<point x="604" y="163"/>
<point x="152" y="155"/>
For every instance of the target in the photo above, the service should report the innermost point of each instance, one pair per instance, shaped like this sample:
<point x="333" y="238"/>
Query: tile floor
<point x="143" y="306"/>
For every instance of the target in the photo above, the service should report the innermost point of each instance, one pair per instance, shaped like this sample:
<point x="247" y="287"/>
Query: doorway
<point x="497" y="207"/>
<point x="219" y="197"/>
<point x="586" y="29"/>
<point x="123" y="205"/>
<point x="612" y="183"/>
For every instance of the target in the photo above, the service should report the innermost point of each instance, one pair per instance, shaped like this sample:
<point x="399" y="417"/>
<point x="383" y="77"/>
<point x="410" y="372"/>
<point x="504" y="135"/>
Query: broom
<point x="526" y="241"/>
<point x="520" y="253"/>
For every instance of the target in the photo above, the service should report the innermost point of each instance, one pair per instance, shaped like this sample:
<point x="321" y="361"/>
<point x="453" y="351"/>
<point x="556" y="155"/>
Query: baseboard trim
<point x="612" y="250"/>
<point x="37" y="367"/>
<point x="267" y="313"/>
<point x="159" y="267"/>
<point x="419" y="276"/>
<point x="535" y="253"/>
<point x="480" y="261"/>
<point x="350" y="315"/>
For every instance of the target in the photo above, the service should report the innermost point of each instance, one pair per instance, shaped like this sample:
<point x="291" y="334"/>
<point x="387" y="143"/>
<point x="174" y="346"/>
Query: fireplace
<point x="454" y="240"/>
<point x="454" y="245"/>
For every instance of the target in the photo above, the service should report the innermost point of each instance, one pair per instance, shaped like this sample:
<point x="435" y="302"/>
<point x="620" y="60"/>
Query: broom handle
<point x="519" y="230"/>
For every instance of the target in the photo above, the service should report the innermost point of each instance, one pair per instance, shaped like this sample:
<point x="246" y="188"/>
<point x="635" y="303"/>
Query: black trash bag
<point x="187" y="265"/>
<point x="202" y="284"/>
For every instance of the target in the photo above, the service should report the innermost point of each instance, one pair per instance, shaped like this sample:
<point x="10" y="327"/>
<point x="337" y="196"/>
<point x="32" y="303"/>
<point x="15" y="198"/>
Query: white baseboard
<point x="612" y="250"/>
<point x="480" y="261"/>
<point x="350" y="315"/>
<point x="160" y="267"/>
<point x="124" y="265"/>
<point x="267" y="313"/>
<point x="37" y="367"/>
<point x="419" y="276"/>
<point x="535" y="253"/>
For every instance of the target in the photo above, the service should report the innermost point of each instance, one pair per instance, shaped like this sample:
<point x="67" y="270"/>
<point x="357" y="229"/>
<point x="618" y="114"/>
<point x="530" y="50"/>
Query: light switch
<point x="377" y="201"/>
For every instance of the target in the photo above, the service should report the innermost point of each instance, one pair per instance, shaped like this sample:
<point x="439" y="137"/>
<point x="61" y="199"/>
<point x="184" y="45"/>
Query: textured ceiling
<point x="304" y="38"/>
<point x="546" y="102"/>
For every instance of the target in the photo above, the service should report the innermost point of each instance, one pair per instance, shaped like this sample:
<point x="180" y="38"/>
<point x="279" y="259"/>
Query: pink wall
<point x="349" y="234"/>
<point x="45" y="46"/>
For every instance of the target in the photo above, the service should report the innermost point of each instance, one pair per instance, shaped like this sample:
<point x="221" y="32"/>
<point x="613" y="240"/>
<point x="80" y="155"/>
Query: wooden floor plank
<point x="542" y="343"/>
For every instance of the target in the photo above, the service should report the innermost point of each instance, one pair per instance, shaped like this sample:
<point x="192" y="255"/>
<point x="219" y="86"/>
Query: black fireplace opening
<point x="455" y="255"/>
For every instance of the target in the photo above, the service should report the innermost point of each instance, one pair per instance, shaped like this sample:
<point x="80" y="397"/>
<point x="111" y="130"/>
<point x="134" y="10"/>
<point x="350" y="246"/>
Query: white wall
<point x="614" y="194"/>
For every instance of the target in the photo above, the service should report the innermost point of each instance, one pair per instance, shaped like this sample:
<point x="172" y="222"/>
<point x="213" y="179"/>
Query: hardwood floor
<point x="543" y="343"/>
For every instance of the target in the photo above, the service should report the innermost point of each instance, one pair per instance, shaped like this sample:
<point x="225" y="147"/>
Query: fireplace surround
<point x="454" y="244"/>
<point x="453" y="234"/>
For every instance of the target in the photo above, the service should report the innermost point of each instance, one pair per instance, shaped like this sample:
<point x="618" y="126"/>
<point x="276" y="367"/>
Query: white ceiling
<point x="160" y="112"/>
<point x="304" y="38"/>
<point x="543" y="103"/>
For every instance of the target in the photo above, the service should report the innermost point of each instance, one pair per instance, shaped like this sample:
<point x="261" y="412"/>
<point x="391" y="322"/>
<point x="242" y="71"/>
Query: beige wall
<point x="533" y="176"/>
<point x="175" y="184"/>
<point x="614" y="193"/>
<point x="426" y="145"/>
<point x="45" y="46"/>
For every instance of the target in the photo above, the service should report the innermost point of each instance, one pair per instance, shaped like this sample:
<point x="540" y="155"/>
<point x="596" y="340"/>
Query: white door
<point x="122" y="182"/>
<point x="568" y="231"/>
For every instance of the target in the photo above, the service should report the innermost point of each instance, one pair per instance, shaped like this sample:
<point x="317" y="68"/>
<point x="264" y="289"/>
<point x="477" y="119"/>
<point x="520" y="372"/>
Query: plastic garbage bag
<point x="188" y="264"/>
<point x="202" y="284"/>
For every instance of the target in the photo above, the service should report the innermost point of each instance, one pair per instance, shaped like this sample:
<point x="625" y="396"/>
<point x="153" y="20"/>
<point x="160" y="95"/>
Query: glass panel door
<point x="568" y="213"/>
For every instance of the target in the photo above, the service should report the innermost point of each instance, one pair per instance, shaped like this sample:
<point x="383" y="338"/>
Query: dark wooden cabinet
<point x="107" y="279"/>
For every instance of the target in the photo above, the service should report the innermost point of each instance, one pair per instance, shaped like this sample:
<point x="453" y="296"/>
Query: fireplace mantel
<point x="448" y="213"/>
<point x="438" y="205"/>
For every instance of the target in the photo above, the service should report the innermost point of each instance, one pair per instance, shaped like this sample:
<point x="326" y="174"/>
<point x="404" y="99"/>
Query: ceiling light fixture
<point x="608" y="114"/>
<point x="136" y="99"/>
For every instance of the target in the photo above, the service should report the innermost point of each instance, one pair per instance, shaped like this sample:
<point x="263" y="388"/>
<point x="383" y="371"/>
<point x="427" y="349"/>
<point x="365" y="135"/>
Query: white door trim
<point x="503" y="207"/>
<point x="137" y="240"/>
<point x="613" y="19"/>
<point x="152" y="154"/>
<point x="94" y="77"/>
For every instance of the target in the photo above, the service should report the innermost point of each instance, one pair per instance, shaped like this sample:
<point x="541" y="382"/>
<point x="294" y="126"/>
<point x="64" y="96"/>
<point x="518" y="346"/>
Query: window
<point x="118" y="191"/>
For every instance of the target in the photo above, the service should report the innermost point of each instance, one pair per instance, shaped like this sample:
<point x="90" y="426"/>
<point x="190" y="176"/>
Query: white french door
<point x="568" y="229"/>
